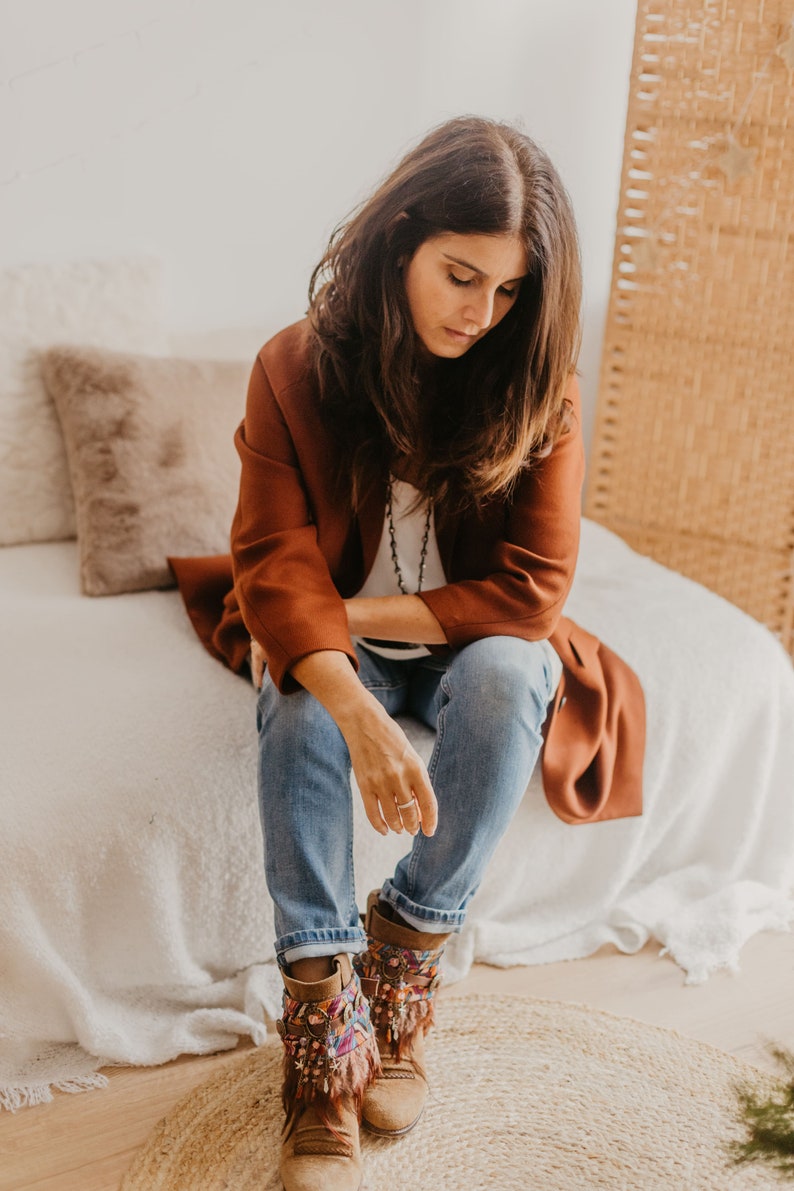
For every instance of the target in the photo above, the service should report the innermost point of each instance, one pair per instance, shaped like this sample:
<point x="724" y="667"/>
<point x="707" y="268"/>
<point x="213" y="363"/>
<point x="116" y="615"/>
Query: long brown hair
<point x="473" y="423"/>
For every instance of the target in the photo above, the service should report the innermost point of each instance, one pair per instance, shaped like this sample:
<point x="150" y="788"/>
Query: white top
<point x="409" y="530"/>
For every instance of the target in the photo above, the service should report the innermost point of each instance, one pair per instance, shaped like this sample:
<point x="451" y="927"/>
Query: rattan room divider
<point x="693" y="452"/>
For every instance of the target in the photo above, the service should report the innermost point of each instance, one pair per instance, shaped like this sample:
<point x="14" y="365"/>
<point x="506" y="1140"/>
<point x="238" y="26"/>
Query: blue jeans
<point x="487" y="704"/>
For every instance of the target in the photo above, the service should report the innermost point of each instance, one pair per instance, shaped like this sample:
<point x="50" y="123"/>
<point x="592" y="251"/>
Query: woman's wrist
<point x="329" y="676"/>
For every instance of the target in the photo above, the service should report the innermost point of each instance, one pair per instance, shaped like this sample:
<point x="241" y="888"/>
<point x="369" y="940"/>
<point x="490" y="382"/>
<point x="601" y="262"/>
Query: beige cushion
<point x="153" y="467"/>
<point x="109" y="304"/>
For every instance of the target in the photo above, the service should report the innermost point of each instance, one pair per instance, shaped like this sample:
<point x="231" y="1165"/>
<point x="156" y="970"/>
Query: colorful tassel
<point x="404" y="983"/>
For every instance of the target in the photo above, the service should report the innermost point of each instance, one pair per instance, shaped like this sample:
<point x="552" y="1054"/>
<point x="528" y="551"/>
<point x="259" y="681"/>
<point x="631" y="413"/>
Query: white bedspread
<point x="134" y="920"/>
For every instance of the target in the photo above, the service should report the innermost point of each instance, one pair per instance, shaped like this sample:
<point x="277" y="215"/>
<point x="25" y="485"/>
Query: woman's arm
<point x="289" y="602"/>
<point x="396" y="618"/>
<point x="282" y="581"/>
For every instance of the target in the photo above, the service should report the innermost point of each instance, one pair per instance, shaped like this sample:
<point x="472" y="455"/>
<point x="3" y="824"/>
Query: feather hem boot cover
<point x="399" y="974"/>
<point x="330" y="1058"/>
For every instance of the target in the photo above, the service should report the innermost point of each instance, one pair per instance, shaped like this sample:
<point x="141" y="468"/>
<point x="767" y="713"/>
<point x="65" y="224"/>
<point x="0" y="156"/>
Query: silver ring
<point x="402" y="805"/>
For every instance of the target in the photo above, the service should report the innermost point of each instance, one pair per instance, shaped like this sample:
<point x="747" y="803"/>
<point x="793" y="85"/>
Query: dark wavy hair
<point x="469" y="425"/>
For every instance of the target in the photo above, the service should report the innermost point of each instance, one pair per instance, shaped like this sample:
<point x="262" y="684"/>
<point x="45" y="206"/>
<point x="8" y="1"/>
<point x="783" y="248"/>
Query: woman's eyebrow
<point x="480" y="272"/>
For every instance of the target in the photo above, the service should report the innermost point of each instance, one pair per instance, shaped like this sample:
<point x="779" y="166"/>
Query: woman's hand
<point x="257" y="663"/>
<point x="391" y="776"/>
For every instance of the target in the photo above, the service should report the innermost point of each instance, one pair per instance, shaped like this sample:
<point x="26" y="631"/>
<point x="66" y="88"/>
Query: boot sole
<point x="392" y="1132"/>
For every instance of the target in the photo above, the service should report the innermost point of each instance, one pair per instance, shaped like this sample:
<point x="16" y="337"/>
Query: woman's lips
<point x="458" y="336"/>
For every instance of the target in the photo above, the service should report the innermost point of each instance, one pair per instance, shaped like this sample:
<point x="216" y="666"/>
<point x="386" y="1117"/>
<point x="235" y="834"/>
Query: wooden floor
<point x="85" y="1142"/>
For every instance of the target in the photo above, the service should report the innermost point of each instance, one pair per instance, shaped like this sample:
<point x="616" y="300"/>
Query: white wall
<point x="229" y="136"/>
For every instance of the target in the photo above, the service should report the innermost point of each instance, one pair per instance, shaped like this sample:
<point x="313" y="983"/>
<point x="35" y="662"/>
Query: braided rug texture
<point x="526" y="1094"/>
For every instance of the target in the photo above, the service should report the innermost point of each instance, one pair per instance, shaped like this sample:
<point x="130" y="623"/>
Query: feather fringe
<point x="351" y="1076"/>
<point x="397" y="1026"/>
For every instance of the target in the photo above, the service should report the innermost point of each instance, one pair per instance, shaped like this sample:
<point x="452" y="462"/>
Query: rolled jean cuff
<point x="434" y="922"/>
<point x="306" y="944"/>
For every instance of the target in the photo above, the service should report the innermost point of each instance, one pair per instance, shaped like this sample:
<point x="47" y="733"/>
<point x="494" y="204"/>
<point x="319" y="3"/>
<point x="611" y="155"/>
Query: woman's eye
<point x="507" y="293"/>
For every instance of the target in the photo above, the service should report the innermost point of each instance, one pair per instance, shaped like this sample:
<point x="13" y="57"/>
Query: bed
<point x="135" y="924"/>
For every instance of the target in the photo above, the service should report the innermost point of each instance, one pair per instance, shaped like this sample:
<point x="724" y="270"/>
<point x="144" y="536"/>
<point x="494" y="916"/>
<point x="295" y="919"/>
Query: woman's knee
<point x="300" y="746"/>
<point x="503" y="673"/>
<point x="297" y="713"/>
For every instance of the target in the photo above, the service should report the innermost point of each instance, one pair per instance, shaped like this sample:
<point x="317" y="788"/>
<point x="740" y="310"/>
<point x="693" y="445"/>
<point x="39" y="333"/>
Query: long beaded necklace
<point x="393" y="541"/>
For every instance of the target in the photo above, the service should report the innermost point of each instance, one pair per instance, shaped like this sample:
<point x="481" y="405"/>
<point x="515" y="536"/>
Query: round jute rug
<point x="526" y="1094"/>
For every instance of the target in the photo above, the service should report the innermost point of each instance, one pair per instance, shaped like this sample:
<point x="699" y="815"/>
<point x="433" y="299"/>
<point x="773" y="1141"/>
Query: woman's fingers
<point x="425" y="800"/>
<point x="388" y="813"/>
<point x="392" y="777"/>
<point x="419" y="808"/>
<point x="403" y="811"/>
<point x="388" y="808"/>
<point x="372" y="810"/>
<point x="414" y="809"/>
<point x="257" y="663"/>
<point x="409" y="814"/>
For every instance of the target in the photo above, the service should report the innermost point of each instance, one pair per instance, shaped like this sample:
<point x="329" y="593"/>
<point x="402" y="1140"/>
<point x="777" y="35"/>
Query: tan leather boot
<point x="330" y="1056"/>
<point x="399" y="975"/>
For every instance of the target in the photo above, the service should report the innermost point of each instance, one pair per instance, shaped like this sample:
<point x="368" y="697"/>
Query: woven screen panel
<point x="693" y="451"/>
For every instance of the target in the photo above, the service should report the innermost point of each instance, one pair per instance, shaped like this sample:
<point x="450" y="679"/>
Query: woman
<point x="405" y="539"/>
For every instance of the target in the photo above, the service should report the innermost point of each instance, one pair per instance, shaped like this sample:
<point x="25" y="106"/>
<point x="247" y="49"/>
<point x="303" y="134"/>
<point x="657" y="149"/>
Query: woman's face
<point x="459" y="287"/>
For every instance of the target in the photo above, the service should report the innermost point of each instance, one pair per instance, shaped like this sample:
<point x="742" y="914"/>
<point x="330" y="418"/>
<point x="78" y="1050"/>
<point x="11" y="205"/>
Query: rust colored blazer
<point x="297" y="553"/>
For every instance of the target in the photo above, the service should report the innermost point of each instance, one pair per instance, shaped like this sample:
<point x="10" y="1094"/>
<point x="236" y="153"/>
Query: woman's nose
<point x="479" y="309"/>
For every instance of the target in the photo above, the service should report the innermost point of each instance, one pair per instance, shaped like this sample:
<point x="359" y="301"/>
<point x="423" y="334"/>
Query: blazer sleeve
<point x="286" y="595"/>
<point x="529" y="564"/>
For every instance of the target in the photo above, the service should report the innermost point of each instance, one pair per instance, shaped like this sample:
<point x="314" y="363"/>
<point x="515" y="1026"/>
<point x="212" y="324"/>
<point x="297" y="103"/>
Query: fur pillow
<point x="151" y="456"/>
<point x="111" y="304"/>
